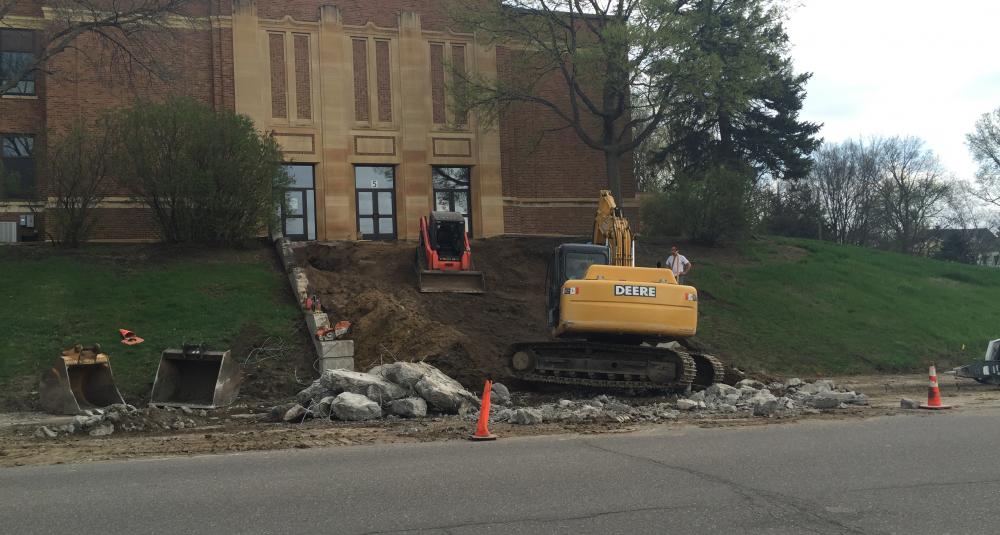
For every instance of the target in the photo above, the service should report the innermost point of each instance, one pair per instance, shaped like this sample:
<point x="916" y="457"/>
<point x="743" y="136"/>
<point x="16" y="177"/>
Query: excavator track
<point x="605" y="365"/>
<point x="710" y="370"/>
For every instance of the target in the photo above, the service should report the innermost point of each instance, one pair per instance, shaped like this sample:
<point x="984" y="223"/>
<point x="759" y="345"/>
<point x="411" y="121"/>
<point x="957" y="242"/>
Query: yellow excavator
<point x="611" y="318"/>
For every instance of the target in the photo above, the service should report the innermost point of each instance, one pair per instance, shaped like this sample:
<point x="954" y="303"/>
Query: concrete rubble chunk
<point x="586" y="412"/>
<point x="822" y="401"/>
<point x="500" y="394"/>
<point x="720" y="390"/>
<point x="443" y="393"/>
<point x="102" y="430"/>
<point x="322" y="409"/>
<point x="794" y="381"/>
<point x="764" y="404"/>
<point x="686" y="404"/>
<point x="409" y="407"/>
<point x="750" y="383"/>
<point x="828" y="384"/>
<point x="355" y="407"/>
<point x="407" y="374"/>
<point x="45" y="432"/>
<point x="908" y="404"/>
<point x="565" y="403"/>
<point x="295" y="414"/>
<point x="335" y="382"/>
<point x="698" y="396"/>
<point x="526" y="417"/>
<point x="501" y="415"/>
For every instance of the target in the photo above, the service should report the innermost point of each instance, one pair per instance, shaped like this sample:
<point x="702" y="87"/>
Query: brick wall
<point x="82" y="83"/>
<point x="303" y="100"/>
<point x="536" y="162"/>
<point x="540" y="159"/>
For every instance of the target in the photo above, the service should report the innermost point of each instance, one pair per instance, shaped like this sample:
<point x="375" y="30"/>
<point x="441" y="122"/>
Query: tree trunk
<point x="612" y="167"/>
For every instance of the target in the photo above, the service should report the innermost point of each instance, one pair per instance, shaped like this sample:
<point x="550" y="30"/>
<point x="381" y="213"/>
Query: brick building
<point x="355" y="95"/>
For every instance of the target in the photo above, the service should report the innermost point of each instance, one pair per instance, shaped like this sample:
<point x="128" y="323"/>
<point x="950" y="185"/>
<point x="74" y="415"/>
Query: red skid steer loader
<point x="444" y="258"/>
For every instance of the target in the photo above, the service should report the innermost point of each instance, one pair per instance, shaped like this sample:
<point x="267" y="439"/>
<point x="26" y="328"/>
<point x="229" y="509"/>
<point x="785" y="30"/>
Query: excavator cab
<point x="79" y="379"/>
<point x="444" y="257"/>
<point x="571" y="261"/>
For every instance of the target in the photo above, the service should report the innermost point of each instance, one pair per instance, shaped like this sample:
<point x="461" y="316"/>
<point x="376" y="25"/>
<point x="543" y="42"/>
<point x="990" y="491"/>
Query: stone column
<point x="487" y="172"/>
<point x="413" y="178"/>
<point x="335" y="181"/>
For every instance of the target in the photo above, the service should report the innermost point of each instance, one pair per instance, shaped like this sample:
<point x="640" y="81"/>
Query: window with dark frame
<point x="17" y="51"/>
<point x="452" y="192"/>
<point x="17" y="161"/>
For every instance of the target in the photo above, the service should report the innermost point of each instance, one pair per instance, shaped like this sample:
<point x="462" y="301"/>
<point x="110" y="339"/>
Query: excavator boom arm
<point x="611" y="228"/>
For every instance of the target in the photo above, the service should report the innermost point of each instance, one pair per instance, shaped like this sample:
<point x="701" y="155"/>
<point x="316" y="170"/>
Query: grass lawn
<point x="53" y="299"/>
<point x="803" y="306"/>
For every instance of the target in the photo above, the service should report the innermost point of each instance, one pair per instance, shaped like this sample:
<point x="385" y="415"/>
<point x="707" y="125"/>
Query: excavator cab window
<point x="577" y="264"/>
<point x="569" y="262"/>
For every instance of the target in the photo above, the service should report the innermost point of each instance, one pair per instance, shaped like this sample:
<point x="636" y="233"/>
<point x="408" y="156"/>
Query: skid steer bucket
<point x="79" y="379"/>
<point x="197" y="378"/>
<point x="469" y="282"/>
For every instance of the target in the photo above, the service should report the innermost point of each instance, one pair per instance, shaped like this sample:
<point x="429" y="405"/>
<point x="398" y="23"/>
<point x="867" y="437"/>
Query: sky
<point x="900" y="67"/>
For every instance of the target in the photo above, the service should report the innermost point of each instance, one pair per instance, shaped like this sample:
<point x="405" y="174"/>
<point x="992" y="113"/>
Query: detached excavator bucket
<point x="79" y="379"/>
<point x="468" y="282"/>
<point x="197" y="378"/>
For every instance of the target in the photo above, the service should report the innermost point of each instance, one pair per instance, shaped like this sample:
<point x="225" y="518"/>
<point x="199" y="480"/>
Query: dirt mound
<point x="374" y="285"/>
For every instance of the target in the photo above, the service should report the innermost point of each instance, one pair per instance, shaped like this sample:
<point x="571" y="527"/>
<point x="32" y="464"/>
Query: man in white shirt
<point x="678" y="264"/>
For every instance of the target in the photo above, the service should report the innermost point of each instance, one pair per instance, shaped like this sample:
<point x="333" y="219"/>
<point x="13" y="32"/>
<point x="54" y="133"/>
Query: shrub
<point x="704" y="207"/>
<point x="208" y="176"/>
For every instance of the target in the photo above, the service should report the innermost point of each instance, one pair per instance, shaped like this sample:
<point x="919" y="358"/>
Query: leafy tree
<point x="617" y="65"/>
<point x="208" y="176"/>
<point x="744" y="110"/>
<point x="708" y="208"/>
<point x="794" y="209"/>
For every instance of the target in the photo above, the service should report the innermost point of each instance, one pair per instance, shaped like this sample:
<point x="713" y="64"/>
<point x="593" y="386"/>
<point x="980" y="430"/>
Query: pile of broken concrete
<point x="766" y="400"/>
<point x="403" y="389"/>
<point x="123" y="417"/>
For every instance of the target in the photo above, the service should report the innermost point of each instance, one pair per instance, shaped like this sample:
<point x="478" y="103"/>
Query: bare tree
<point x="79" y="168"/>
<point x="845" y="176"/>
<point x="127" y="35"/>
<point x="912" y="188"/>
<point x="984" y="144"/>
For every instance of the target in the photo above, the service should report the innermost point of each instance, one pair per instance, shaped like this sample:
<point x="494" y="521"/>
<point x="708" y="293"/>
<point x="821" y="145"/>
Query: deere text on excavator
<point x="610" y="318"/>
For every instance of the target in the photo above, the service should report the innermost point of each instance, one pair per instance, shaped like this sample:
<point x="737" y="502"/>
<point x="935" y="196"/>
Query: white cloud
<point x="900" y="67"/>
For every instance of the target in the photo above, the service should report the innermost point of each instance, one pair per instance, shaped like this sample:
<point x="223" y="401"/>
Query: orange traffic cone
<point x="129" y="338"/>
<point x="483" y="428"/>
<point x="934" y="393"/>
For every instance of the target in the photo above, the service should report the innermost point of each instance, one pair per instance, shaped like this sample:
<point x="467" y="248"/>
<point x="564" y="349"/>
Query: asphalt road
<point x="929" y="473"/>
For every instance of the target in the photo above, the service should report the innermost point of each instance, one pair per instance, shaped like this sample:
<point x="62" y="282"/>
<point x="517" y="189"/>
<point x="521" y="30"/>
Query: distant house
<point x="983" y="245"/>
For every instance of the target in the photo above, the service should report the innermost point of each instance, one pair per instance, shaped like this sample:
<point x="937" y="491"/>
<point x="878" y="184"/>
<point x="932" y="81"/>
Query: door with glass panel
<point x="452" y="187"/>
<point x="376" y="201"/>
<point x="298" y="216"/>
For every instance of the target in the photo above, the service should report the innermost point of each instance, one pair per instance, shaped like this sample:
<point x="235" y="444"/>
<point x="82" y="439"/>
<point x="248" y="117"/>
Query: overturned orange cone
<point x="483" y="427"/>
<point x="934" y="393"/>
<point x="129" y="338"/>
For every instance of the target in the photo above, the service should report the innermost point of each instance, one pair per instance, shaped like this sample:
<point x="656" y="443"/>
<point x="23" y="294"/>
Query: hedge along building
<point x="356" y="96"/>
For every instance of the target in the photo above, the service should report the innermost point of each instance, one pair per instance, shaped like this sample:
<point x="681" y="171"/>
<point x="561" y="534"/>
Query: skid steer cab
<point x="444" y="257"/>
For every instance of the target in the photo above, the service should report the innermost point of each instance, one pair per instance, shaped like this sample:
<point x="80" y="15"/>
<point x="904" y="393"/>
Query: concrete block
<point x="336" y="348"/>
<point x="336" y="363"/>
<point x="315" y="320"/>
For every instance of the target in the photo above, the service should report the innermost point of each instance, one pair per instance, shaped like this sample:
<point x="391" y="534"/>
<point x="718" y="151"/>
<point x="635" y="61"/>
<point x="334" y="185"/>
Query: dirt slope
<point x="374" y="285"/>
